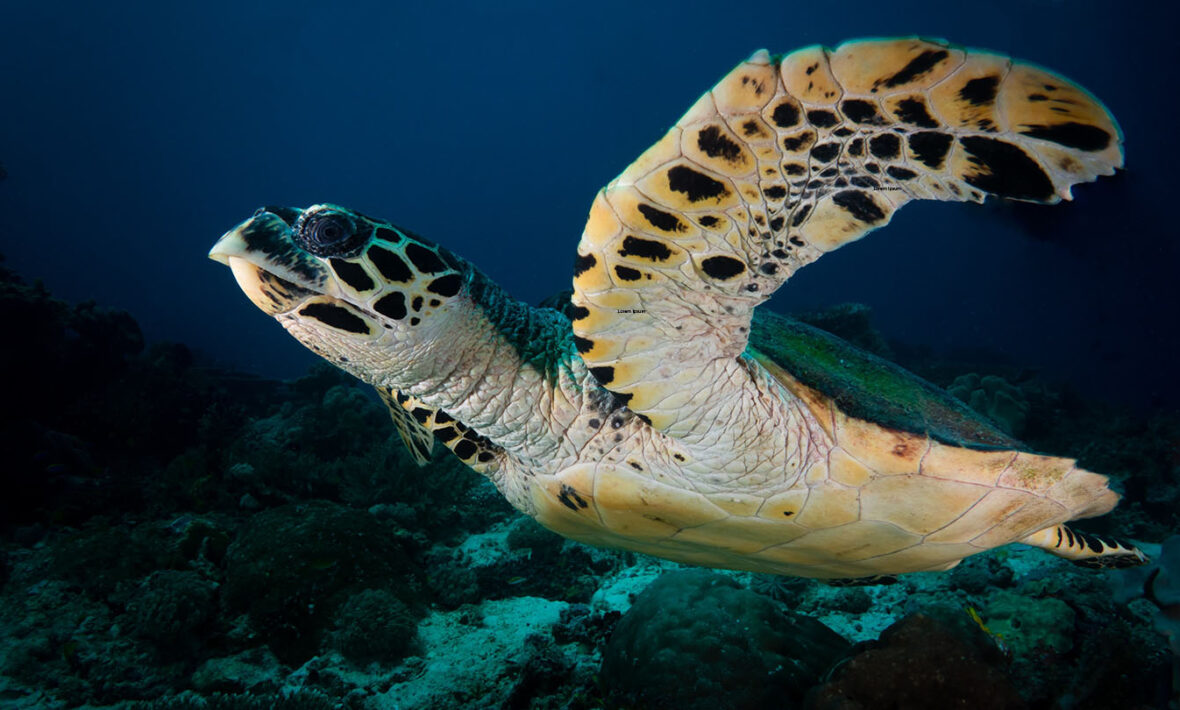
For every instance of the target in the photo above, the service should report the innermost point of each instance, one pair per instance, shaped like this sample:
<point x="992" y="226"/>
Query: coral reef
<point x="582" y="625"/>
<point x="1030" y="625"/>
<point x="995" y="398"/>
<point x="293" y="567"/>
<point x="498" y="657"/>
<point x="1074" y="640"/>
<point x="255" y="670"/>
<point x="933" y="661"/>
<point x="527" y="534"/>
<point x="299" y="700"/>
<point x="72" y="647"/>
<point x="975" y="575"/>
<point x="174" y="610"/>
<point x="696" y="639"/>
<point x="374" y="626"/>
<point x="777" y="587"/>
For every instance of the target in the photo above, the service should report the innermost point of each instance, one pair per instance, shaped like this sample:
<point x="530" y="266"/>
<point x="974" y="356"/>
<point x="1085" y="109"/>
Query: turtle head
<point x="356" y="290"/>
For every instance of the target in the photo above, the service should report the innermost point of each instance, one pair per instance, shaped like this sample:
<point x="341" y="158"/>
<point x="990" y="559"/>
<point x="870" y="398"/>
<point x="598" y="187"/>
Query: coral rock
<point x="922" y="663"/>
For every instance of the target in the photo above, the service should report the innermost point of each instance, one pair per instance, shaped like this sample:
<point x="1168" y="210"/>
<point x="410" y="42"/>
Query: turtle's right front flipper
<point x="783" y="161"/>
<point x="417" y="437"/>
<point x="418" y="424"/>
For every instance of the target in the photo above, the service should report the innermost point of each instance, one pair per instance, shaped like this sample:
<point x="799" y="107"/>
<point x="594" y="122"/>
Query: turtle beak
<point x="249" y="250"/>
<point x="266" y="226"/>
<point x="229" y="246"/>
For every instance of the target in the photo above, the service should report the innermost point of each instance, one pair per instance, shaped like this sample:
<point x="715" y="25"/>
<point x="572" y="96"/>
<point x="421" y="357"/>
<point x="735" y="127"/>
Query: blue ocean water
<point x="133" y="135"/>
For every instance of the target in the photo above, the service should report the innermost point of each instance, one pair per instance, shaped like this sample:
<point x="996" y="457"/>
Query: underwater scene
<point x="516" y="392"/>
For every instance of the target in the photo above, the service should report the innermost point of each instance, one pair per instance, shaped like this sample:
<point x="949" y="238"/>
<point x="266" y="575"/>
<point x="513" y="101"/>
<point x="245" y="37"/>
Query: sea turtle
<point x="655" y="410"/>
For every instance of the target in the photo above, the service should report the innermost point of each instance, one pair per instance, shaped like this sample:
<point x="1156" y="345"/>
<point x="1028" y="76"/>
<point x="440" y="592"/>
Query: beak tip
<point x="230" y="245"/>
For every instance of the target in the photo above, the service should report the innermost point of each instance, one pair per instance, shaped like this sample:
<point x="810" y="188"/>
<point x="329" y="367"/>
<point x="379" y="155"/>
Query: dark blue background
<point x="135" y="134"/>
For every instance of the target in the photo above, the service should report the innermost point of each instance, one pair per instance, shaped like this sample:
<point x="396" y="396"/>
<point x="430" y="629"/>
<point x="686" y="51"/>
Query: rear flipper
<point x="1086" y="550"/>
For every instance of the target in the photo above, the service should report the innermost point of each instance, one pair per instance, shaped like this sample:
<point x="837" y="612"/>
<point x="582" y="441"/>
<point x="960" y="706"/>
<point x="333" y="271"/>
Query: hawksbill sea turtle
<point x="656" y="410"/>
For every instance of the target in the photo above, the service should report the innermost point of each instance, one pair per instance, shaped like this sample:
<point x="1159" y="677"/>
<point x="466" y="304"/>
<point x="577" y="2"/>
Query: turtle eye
<point x="327" y="233"/>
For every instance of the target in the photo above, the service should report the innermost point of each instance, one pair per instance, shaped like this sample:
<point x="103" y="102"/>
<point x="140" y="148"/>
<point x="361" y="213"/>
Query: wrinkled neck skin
<point x="503" y="368"/>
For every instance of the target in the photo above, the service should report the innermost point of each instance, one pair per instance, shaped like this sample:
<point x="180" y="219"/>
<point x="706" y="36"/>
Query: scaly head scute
<point x="351" y="288"/>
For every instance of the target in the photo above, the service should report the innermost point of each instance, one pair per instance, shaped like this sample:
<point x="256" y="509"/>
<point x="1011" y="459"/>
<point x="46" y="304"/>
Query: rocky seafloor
<point x="174" y="535"/>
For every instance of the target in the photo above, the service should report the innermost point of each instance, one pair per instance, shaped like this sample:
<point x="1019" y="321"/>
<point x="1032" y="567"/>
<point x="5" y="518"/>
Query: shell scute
<point x="1036" y="514"/>
<point x="742" y="535"/>
<point x="918" y="504"/>
<point x="830" y="506"/>
<point x="862" y="540"/>
<point x="635" y="506"/>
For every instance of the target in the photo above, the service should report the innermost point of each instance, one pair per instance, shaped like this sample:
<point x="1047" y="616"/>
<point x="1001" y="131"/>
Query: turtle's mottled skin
<point x="656" y="410"/>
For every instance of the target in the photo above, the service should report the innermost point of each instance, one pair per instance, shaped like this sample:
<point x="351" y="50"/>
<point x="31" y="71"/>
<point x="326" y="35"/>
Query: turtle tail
<point x="1086" y="550"/>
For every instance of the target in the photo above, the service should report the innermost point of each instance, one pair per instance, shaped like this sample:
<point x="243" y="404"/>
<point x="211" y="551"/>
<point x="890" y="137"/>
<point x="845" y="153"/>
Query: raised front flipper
<point x="785" y="160"/>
